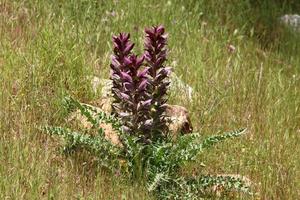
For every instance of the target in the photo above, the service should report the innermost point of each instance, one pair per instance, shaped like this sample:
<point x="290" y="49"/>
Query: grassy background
<point x="48" y="48"/>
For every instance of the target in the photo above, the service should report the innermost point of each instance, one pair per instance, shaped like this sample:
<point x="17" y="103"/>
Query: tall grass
<point x="48" y="49"/>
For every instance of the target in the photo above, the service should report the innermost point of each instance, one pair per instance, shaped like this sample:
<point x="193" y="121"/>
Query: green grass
<point x="47" y="49"/>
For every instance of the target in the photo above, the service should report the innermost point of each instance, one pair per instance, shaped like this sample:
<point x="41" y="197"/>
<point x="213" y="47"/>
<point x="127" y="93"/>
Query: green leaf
<point x="213" y="140"/>
<point x="99" y="146"/>
<point x="227" y="182"/>
<point x="94" y="115"/>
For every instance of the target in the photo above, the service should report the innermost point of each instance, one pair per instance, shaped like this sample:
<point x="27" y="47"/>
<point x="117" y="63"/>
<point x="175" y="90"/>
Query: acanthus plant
<point x="139" y="89"/>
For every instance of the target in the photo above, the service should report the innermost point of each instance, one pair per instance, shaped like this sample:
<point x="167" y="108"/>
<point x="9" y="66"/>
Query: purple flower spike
<point x="131" y="100"/>
<point x="140" y="84"/>
<point x="120" y="65"/>
<point x="155" y="56"/>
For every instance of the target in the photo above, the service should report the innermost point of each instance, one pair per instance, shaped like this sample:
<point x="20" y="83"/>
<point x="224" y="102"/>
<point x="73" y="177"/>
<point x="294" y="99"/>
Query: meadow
<point x="243" y="66"/>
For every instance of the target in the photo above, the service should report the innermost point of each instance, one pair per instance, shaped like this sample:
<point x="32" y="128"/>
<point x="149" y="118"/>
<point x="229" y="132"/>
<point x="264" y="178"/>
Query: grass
<point x="47" y="50"/>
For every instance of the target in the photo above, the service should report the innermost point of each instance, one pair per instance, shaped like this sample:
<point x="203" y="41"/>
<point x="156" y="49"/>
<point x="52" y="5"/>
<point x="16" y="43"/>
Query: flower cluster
<point x="139" y="89"/>
<point x="120" y="61"/>
<point x="155" y="56"/>
<point x="131" y="100"/>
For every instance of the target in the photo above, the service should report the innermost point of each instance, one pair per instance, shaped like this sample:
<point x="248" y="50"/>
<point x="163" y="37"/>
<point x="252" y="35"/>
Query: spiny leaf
<point x="227" y="182"/>
<point x="156" y="181"/>
<point x="211" y="141"/>
<point x="83" y="110"/>
<point x="99" y="146"/>
<point x="93" y="114"/>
